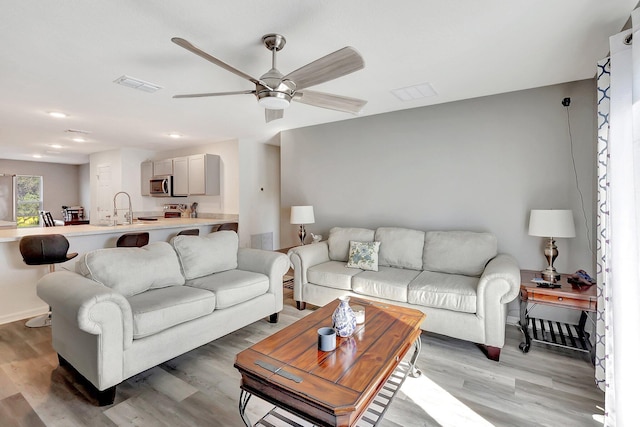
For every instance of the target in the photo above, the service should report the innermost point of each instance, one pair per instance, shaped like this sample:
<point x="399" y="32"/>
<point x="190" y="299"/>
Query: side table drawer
<point x="582" y="304"/>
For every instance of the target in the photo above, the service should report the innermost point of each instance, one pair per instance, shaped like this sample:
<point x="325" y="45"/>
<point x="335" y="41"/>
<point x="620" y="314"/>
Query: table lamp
<point x="302" y="215"/>
<point x="552" y="224"/>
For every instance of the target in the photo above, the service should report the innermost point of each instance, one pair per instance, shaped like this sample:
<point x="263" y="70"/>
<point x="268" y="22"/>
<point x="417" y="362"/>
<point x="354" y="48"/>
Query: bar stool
<point x="44" y="249"/>
<point x="189" y="232"/>
<point x="133" y="240"/>
<point x="233" y="226"/>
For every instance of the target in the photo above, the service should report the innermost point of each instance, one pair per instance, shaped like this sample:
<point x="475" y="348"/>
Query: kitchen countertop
<point x="12" y="235"/>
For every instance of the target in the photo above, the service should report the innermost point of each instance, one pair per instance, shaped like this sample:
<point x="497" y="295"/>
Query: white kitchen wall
<point x="480" y="164"/>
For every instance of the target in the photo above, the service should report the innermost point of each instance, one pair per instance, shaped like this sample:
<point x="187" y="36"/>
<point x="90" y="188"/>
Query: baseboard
<point x="23" y="315"/>
<point x="513" y="320"/>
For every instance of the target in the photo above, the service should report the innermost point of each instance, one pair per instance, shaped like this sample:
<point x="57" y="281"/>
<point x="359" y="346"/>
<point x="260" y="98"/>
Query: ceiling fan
<point x="275" y="91"/>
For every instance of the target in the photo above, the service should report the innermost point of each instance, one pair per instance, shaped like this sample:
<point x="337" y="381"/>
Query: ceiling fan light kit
<point x="275" y="91"/>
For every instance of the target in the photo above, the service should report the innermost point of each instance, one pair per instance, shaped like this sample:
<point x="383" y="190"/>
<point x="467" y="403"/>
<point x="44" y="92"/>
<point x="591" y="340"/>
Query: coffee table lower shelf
<point x="278" y="417"/>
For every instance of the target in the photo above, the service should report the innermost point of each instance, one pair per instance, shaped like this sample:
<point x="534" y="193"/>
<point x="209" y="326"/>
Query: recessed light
<point x="175" y="135"/>
<point x="37" y="156"/>
<point x="55" y="146"/>
<point x="57" y="114"/>
<point x="79" y="139"/>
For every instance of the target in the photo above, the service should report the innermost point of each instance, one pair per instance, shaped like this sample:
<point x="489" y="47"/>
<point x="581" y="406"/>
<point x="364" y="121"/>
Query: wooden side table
<point x="552" y="332"/>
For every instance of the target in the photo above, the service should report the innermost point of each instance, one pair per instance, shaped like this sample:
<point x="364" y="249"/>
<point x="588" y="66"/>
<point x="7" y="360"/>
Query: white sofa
<point x="126" y="310"/>
<point x="457" y="278"/>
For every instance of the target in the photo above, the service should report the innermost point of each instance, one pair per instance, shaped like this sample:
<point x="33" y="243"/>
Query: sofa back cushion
<point x="130" y="271"/>
<point x="458" y="252"/>
<point x="340" y="237"/>
<point x="400" y="247"/>
<point x="201" y="256"/>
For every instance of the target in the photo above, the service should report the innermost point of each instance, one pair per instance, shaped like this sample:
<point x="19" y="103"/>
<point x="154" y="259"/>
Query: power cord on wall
<point x="566" y="102"/>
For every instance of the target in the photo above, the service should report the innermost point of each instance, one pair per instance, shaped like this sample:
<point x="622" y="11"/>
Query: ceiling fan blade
<point x="202" y="95"/>
<point x="332" y="102"/>
<point x="270" y="115"/>
<point x="191" y="48"/>
<point x="334" y="65"/>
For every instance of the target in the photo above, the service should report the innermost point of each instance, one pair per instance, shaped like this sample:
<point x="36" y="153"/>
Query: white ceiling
<point x="64" y="55"/>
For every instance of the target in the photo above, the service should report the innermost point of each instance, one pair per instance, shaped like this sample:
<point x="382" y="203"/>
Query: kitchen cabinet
<point x="181" y="176"/>
<point x="204" y="175"/>
<point x="163" y="167"/>
<point x="146" y="172"/>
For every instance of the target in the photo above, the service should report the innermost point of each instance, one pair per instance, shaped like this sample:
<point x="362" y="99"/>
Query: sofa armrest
<point x="303" y="257"/>
<point x="499" y="285"/>
<point x="87" y="303"/>
<point x="272" y="264"/>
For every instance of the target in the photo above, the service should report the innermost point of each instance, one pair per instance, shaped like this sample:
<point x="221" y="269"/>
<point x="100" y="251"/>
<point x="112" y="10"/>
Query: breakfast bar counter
<point x="18" y="299"/>
<point x="15" y="234"/>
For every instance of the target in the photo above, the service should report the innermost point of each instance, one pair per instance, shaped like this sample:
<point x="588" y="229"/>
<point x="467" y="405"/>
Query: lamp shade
<point x="302" y="215"/>
<point x="552" y="223"/>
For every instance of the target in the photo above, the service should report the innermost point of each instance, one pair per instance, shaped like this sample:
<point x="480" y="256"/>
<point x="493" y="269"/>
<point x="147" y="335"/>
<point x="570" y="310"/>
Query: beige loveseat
<point x="457" y="278"/>
<point x="129" y="309"/>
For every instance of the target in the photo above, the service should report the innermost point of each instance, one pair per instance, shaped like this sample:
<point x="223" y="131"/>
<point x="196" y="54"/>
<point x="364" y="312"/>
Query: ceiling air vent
<point x="134" y="83"/>
<point x="411" y="93"/>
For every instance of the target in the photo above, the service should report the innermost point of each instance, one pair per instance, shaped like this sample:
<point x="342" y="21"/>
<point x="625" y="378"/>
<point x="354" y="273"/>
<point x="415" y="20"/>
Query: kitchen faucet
<point x="128" y="216"/>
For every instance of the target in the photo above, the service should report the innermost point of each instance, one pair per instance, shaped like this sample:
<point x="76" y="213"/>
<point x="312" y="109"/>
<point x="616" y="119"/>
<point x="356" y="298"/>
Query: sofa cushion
<point x="458" y="252"/>
<point x="454" y="292"/>
<point x="400" y="247"/>
<point x="363" y="255"/>
<point x="339" y="239"/>
<point x="232" y="286"/>
<point x="159" y="309"/>
<point x="201" y="256"/>
<point x="332" y="274"/>
<point x="130" y="271"/>
<point x="388" y="283"/>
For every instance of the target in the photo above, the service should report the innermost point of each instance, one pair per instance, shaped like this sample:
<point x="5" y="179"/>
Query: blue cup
<point x="326" y="339"/>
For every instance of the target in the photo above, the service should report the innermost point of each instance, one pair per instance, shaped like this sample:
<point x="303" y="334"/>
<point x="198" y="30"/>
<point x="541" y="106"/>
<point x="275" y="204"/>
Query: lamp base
<point x="550" y="274"/>
<point x="302" y="234"/>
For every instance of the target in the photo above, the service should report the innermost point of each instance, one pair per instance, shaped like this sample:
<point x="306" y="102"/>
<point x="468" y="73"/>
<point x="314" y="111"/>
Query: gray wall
<point x="479" y="164"/>
<point x="60" y="182"/>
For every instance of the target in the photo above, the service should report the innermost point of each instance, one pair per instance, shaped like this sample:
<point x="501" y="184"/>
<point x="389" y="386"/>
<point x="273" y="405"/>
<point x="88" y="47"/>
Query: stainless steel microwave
<point x="161" y="186"/>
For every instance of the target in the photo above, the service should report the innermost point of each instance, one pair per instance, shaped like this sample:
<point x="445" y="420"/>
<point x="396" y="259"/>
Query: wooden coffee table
<point x="330" y="388"/>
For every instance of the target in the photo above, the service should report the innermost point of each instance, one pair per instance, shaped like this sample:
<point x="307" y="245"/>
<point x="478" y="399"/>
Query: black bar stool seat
<point x="43" y="249"/>
<point x="133" y="240"/>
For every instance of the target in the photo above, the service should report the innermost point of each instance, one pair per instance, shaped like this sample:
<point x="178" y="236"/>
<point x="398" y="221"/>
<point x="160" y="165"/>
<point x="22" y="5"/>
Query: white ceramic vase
<point x="344" y="319"/>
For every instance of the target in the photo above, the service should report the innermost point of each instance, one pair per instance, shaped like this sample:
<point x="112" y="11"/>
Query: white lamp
<point x="302" y="215"/>
<point x="551" y="224"/>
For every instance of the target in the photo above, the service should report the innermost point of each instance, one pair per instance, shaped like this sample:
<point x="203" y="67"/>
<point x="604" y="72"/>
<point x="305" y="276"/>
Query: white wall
<point x="260" y="190"/>
<point x="84" y="183"/>
<point x="60" y="182"/>
<point x="479" y="164"/>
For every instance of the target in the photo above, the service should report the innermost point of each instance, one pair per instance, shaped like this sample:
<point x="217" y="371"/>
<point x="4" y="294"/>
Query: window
<point x="28" y="200"/>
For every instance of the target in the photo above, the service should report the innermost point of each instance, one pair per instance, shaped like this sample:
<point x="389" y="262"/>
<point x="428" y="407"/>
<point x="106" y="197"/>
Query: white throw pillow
<point x="201" y="256"/>
<point x="130" y="271"/>
<point x="363" y="255"/>
<point x="339" y="238"/>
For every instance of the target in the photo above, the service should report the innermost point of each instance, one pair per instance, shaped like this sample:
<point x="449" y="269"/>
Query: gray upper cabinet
<point x="163" y="167"/>
<point x="204" y="175"/>
<point x="196" y="175"/>
<point x="146" y="172"/>
<point x="181" y="176"/>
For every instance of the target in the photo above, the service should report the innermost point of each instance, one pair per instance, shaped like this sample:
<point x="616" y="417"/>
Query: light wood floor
<point x="459" y="386"/>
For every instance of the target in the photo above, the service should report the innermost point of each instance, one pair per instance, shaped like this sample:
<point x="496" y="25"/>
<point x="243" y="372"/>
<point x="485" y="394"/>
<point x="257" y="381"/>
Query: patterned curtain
<point x="618" y="232"/>
<point x="604" y="336"/>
